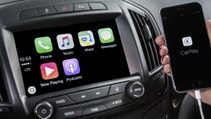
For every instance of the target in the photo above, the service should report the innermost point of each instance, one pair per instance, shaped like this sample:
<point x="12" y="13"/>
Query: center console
<point x="80" y="59"/>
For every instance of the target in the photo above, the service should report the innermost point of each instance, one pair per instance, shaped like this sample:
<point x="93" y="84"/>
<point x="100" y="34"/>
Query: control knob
<point x="135" y="90"/>
<point x="44" y="110"/>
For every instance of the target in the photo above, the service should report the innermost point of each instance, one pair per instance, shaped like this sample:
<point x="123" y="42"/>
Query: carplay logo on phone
<point x="187" y="41"/>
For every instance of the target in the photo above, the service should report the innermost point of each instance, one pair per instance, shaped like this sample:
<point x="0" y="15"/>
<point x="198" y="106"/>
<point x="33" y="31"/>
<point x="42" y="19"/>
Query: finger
<point x="160" y="40"/>
<point x="163" y="50"/>
<point x="165" y="60"/>
<point x="208" y="24"/>
<point x="167" y="69"/>
<point x="191" y="94"/>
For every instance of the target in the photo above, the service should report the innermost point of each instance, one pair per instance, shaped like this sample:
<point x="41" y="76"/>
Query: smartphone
<point x="188" y="44"/>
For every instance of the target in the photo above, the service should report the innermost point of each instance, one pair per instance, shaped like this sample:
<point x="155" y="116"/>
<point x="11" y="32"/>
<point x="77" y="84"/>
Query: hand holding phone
<point x="188" y="45"/>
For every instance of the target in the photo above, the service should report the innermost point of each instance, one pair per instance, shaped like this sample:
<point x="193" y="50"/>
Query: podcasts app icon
<point x="71" y="67"/>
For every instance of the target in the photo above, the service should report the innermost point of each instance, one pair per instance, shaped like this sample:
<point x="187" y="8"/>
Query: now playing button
<point x="49" y="70"/>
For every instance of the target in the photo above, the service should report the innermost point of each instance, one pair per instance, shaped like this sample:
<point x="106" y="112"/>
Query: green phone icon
<point x="106" y="35"/>
<point x="43" y="44"/>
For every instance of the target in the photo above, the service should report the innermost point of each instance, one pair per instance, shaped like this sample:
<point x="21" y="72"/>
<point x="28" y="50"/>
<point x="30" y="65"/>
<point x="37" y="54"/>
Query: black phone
<point x="188" y="44"/>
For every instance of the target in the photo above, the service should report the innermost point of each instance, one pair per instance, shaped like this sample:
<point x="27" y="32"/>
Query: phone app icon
<point x="187" y="41"/>
<point x="71" y="67"/>
<point x="43" y="44"/>
<point x="106" y="35"/>
<point x="65" y="41"/>
<point x="49" y="70"/>
<point x="86" y="38"/>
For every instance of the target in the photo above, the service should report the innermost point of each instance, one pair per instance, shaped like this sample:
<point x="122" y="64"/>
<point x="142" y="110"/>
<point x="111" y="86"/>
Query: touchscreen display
<point x="59" y="58"/>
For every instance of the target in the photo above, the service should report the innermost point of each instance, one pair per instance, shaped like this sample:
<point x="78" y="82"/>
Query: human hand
<point x="165" y="61"/>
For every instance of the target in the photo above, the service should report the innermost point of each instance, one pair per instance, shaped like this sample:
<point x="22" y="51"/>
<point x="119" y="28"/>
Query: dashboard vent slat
<point x="147" y="34"/>
<point x="3" y="93"/>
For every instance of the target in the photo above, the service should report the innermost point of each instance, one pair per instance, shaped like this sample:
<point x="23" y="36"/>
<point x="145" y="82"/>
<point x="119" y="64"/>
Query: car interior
<point x="87" y="59"/>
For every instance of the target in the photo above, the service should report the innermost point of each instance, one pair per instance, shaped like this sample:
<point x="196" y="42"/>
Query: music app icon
<point x="71" y="67"/>
<point x="65" y="41"/>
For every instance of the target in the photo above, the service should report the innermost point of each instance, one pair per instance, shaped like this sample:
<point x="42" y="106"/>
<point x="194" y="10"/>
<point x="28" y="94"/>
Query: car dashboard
<point x="83" y="59"/>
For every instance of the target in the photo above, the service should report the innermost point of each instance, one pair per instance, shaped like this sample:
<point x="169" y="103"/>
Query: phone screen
<point x="188" y="44"/>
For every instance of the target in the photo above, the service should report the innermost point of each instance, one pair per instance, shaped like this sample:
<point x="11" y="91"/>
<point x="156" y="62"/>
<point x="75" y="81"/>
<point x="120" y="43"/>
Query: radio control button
<point x="117" y="88"/>
<point x="94" y="109"/>
<point x="68" y="112"/>
<point x="116" y="102"/>
<point x="60" y="101"/>
<point x="89" y="94"/>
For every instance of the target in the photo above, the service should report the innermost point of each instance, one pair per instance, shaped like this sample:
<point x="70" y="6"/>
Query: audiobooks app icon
<point x="49" y="70"/>
<point x="71" y="67"/>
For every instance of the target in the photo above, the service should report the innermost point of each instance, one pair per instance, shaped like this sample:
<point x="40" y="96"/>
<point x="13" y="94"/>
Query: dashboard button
<point x="47" y="10"/>
<point x="28" y="14"/>
<point x="64" y="8"/>
<point x="89" y="94"/>
<point x="119" y="101"/>
<point x="60" y="101"/>
<point x="117" y="88"/>
<point x="68" y="112"/>
<point x="97" y="6"/>
<point x="81" y="7"/>
<point x="5" y="110"/>
<point x="114" y="103"/>
<point x="94" y="109"/>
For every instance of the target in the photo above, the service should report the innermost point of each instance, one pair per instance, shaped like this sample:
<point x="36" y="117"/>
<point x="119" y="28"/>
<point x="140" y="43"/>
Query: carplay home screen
<point x="64" y="57"/>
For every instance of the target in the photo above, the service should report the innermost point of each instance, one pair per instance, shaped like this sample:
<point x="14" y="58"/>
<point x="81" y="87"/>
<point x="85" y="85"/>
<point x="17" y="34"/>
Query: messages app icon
<point x="43" y="44"/>
<point x="106" y="35"/>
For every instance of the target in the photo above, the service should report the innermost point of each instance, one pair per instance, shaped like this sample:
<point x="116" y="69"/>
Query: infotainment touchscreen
<point x="58" y="58"/>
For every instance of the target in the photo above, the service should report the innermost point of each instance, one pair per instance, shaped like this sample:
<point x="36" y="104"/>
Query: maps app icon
<point x="86" y="38"/>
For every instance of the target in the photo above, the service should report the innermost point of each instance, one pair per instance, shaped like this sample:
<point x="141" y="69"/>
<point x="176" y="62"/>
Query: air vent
<point x="147" y="34"/>
<point x="3" y="94"/>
